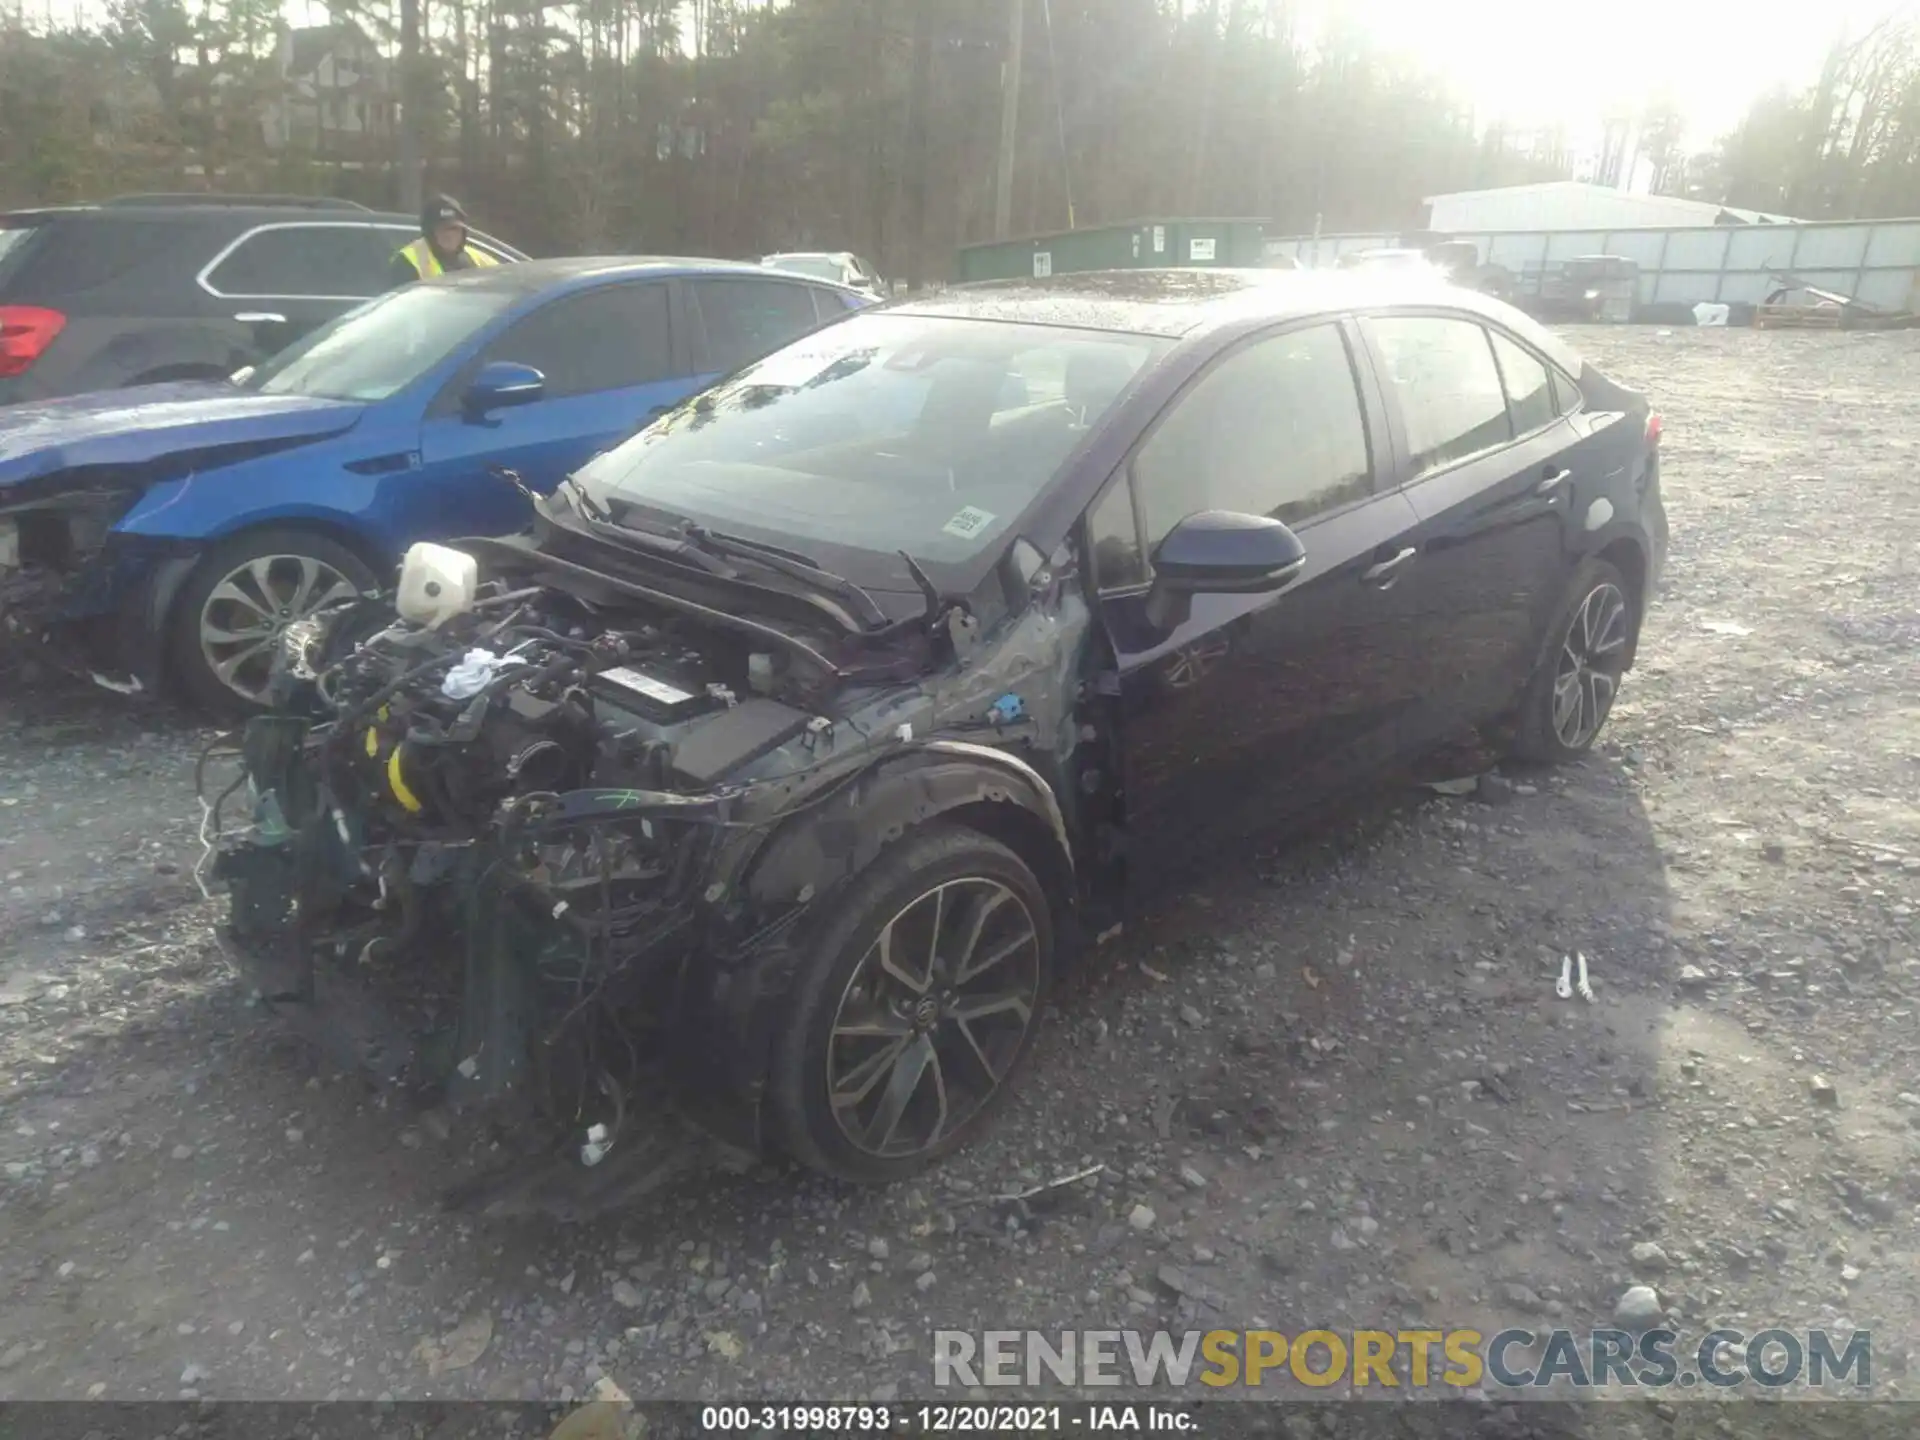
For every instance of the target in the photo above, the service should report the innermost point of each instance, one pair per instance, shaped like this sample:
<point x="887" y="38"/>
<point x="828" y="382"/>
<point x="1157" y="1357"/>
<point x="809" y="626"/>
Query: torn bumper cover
<point x="547" y="902"/>
<point x="80" y="600"/>
<point x="524" y="978"/>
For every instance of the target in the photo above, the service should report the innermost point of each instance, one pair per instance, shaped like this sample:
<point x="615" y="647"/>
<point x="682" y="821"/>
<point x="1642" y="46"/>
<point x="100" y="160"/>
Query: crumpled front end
<point x="525" y="974"/>
<point x="546" y="857"/>
<point x="79" y="595"/>
<point x="73" y="596"/>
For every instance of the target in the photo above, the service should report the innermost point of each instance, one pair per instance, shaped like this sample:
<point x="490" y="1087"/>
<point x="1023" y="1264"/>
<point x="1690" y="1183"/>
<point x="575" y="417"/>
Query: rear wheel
<point x="1572" y="691"/>
<point x="915" y="1009"/>
<point x="234" y="607"/>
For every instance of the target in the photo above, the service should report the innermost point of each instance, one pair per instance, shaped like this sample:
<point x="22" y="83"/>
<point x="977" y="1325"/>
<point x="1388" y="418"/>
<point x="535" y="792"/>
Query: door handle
<point x="260" y="317"/>
<point x="1552" y="482"/>
<point x="1381" y="569"/>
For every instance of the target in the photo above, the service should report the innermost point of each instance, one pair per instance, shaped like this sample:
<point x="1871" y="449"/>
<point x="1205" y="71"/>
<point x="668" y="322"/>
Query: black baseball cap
<point x="442" y="210"/>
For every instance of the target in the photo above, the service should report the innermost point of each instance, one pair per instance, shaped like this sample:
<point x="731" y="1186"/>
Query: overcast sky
<point x="1541" y="62"/>
<point x="1547" y="61"/>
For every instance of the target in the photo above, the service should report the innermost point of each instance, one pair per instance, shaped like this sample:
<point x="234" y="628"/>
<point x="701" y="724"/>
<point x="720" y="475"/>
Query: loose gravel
<point x="1331" y="1087"/>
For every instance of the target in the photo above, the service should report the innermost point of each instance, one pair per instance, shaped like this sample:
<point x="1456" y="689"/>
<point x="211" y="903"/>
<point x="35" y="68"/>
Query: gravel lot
<point x="1334" y="1087"/>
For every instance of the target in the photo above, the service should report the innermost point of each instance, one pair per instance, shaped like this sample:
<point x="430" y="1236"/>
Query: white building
<point x="336" y="89"/>
<point x="1575" y="205"/>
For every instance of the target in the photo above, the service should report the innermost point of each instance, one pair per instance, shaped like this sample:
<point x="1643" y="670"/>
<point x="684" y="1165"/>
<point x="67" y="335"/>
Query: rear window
<point x="83" y="252"/>
<point x="13" y="242"/>
<point x="746" y="319"/>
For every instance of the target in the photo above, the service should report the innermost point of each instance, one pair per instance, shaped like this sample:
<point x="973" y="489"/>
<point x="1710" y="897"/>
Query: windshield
<point x="880" y="433"/>
<point x="382" y="347"/>
<point x="818" y="266"/>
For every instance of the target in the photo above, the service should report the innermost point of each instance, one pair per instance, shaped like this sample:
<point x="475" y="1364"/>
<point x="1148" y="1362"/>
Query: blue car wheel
<point x="229" y="617"/>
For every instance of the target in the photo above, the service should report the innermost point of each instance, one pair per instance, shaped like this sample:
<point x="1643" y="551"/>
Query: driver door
<point x="613" y="359"/>
<point x="1258" y="704"/>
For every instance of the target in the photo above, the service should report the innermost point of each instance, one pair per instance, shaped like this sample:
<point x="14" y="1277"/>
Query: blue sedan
<point x="174" y="531"/>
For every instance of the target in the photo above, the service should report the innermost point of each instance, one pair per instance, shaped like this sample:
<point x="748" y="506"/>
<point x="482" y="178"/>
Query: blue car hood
<point x="149" y="423"/>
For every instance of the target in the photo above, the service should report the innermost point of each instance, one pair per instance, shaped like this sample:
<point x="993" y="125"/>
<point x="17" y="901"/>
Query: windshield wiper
<point x="789" y="563"/>
<point x="709" y="550"/>
<point x="583" y="502"/>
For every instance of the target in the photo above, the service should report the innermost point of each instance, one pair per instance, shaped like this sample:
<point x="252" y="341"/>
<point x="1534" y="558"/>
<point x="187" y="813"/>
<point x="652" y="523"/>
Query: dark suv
<point x="172" y="287"/>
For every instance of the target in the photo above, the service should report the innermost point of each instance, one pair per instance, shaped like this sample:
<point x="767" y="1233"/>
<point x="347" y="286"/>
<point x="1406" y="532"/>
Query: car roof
<point x="527" y="276"/>
<point x="239" y="214"/>
<point x="1177" y="304"/>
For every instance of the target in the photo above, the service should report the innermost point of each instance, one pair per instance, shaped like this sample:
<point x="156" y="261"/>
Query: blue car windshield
<point x="883" y="432"/>
<point x="381" y="348"/>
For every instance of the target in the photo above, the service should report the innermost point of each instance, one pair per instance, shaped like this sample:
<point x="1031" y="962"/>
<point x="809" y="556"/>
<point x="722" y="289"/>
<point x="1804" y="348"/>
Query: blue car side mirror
<point x="502" y="383"/>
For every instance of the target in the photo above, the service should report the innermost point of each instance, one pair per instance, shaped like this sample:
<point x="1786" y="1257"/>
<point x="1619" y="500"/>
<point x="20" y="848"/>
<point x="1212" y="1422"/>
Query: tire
<point x="1589" y="640"/>
<point x="842" y="984"/>
<point x="302" y="567"/>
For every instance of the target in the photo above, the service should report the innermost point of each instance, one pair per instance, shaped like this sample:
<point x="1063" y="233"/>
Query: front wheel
<point x="917" y="1004"/>
<point x="1572" y="692"/>
<point x="235" y="606"/>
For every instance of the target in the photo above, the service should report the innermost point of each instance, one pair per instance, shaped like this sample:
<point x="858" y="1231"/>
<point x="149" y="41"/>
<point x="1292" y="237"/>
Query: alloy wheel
<point x="1191" y="664"/>
<point x="933" y="1017"/>
<point x="247" y="612"/>
<point x="1587" y="676"/>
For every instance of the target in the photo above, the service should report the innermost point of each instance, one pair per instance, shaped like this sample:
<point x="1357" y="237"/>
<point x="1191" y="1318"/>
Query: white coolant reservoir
<point x="437" y="583"/>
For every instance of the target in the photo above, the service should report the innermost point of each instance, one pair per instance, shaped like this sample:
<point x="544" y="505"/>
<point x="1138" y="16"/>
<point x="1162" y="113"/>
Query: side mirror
<point x="502" y="383"/>
<point x="1220" y="552"/>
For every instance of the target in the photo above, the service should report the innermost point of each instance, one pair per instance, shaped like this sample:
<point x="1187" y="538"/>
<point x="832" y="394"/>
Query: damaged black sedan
<point x="762" y="790"/>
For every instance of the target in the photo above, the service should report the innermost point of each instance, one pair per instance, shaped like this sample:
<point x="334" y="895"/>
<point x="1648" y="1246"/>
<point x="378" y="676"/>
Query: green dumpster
<point x="1135" y="245"/>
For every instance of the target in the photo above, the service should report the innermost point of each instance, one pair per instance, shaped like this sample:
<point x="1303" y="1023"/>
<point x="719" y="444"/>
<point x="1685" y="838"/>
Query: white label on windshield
<point x="968" y="523"/>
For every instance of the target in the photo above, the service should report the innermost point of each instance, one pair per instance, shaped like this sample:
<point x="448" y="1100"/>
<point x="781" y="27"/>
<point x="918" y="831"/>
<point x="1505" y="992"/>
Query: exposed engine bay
<point x="546" y="851"/>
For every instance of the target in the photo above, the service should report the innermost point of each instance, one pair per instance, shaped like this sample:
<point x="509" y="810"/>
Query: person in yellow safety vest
<point x="442" y="245"/>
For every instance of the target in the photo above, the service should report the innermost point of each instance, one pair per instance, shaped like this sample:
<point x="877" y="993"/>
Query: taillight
<point x="25" y="333"/>
<point x="1653" y="430"/>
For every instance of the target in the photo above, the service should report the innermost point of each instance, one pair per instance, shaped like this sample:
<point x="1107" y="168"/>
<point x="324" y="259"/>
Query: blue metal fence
<point x="1877" y="261"/>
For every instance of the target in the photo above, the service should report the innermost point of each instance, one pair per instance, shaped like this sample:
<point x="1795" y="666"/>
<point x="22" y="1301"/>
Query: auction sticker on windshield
<point x="968" y="523"/>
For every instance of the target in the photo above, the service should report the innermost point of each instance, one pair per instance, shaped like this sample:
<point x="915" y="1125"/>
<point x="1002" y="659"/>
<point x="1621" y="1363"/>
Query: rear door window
<point x="1442" y="371"/>
<point x="747" y="319"/>
<point x="344" y="262"/>
<point x="1529" y="388"/>
<point x="829" y="305"/>
<point x="1566" y="393"/>
<point x="606" y="339"/>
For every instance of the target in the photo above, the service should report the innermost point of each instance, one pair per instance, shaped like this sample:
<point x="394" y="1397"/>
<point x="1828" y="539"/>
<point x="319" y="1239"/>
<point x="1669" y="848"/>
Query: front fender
<point x="301" y="488"/>
<point x="820" y="848"/>
<point x="809" y="857"/>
